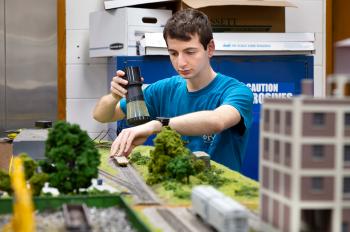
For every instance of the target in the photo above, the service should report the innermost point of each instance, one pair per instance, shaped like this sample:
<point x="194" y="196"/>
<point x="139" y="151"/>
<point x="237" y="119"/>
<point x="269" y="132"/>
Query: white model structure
<point x="218" y="210"/>
<point x="305" y="162"/>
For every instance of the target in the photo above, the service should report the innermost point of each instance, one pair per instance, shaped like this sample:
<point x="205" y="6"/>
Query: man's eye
<point x="190" y="52"/>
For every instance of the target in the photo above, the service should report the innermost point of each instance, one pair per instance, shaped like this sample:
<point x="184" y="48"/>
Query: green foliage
<point x="198" y="165"/>
<point x="71" y="158"/>
<point x="165" y="161"/>
<point x="5" y="182"/>
<point x="176" y="187"/>
<point x="138" y="159"/>
<point x="37" y="182"/>
<point x="95" y="191"/>
<point x="180" y="167"/>
<point x="247" y="191"/>
<point x="29" y="165"/>
<point x="212" y="176"/>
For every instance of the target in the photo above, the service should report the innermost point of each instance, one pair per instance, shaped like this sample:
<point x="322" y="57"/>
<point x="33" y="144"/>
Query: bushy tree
<point x="71" y="158"/>
<point x="5" y="182"/>
<point x="138" y="158"/>
<point x="37" y="182"/>
<point x="163" y="162"/>
<point x="29" y="165"/>
<point x="181" y="167"/>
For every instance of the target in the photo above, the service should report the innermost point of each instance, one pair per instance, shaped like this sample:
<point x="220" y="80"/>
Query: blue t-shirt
<point x="170" y="98"/>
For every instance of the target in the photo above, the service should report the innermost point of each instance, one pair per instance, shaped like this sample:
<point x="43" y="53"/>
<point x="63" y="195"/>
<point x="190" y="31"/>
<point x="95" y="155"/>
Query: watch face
<point x="163" y="120"/>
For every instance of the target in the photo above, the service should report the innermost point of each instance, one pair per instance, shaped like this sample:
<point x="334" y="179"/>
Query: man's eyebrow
<point x="190" y="48"/>
<point x="186" y="49"/>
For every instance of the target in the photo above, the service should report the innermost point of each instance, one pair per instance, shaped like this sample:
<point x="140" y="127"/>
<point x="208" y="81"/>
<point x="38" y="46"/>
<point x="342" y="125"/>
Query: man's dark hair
<point x="186" y="23"/>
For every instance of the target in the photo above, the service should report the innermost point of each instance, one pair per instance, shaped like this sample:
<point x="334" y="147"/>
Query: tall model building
<point x="305" y="162"/>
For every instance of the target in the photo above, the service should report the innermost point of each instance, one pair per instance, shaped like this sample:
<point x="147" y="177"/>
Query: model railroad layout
<point x="128" y="178"/>
<point x="178" y="219"/>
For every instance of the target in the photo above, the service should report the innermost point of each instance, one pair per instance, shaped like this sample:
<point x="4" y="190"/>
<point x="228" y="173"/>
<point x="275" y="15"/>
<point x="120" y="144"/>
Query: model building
<point x="305" y="162"/>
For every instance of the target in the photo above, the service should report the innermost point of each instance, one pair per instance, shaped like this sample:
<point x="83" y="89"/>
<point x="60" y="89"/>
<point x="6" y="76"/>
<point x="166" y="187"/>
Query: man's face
<point x="189" y="57"/>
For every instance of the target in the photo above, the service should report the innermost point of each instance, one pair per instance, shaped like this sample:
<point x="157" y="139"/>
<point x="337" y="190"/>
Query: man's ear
<point x="211" y="48"/>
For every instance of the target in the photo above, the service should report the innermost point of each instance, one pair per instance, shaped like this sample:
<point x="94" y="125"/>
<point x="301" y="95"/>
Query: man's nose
<point x="181" y="60"/>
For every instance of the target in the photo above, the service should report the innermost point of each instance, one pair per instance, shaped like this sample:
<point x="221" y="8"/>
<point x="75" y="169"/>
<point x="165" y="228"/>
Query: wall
<point x="87" y="78"/>
<point x="310" y="16"/>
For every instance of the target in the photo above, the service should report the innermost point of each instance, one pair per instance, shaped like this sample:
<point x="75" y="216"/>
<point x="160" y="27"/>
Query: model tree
<point x="181" y="167"/>
<point x="29" y="165"/>
<point x="5" y="182"/>
<point x="36" y="180"/>
<point x="170" y="159"/>
<point x="71" y="158"/>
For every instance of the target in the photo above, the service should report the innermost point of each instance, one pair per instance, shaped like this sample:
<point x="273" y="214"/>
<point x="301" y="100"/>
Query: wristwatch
<point x="163" y="120"/>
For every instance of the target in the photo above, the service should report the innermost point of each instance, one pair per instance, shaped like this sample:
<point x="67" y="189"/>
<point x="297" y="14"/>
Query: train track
<point x="115" y="179"/>
<point x="142" y="192"/>
<point x="172" y="220"/>
<point x="130" y="179"/>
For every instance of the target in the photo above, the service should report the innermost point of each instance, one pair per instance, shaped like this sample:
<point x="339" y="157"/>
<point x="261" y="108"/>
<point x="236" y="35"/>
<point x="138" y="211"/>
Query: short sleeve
<point x="240" y="97"/>
<point x="122" y="104"/>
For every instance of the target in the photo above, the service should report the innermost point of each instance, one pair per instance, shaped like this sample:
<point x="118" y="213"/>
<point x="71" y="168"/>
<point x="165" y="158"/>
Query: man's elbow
<point x="100" y="117"/>
<point x="221" y="124"/>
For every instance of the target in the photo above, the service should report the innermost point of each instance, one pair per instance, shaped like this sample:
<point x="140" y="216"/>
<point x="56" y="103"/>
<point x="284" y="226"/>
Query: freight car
<point x="221" y="212"/>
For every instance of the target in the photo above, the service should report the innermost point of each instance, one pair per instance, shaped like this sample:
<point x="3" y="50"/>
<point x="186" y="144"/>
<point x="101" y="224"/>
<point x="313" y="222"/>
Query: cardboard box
<point x="342" y="57"/>
<point x="112" y="4"/>
<point x="242" y="43"/>
<point x="117" y="32"/>
<point x="6" y="152"/>
<point x="242" y="15"/>
<point x="233" y="15"/>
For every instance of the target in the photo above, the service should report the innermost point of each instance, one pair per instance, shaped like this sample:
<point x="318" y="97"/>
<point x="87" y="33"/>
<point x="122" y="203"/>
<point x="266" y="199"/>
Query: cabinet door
<point x="31" y="61"/>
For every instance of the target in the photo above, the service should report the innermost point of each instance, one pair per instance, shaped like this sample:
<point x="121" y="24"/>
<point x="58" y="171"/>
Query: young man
<point x="211" y="111"/>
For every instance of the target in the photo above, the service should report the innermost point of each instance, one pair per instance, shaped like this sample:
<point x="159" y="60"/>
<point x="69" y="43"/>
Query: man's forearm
<point x="106" y="109"/>
<point x="205" y="122"/>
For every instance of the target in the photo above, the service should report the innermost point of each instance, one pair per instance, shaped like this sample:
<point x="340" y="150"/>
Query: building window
<point x="267" y="116"/>
<point x="287" y="153"/>
<point x="277" y="151"/>
<point x="347" y="119"/>
<point x="347" y="153"/>
<point x="319" y="119"/>
<point x="318" y="152"/>
<point x="347" y="89"/>
<point x="288" y="118"/>
<point x="345" y="227"/>
<point x="317" y="184"/>
<point x="266" y="145"/>
<point x="346" y="186"/>
<point x="277" y="117"/>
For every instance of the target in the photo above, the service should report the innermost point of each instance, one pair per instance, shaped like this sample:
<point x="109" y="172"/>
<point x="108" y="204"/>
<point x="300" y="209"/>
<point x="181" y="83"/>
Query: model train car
<point x="121" y="161"/>
<point x="219" y="211"/>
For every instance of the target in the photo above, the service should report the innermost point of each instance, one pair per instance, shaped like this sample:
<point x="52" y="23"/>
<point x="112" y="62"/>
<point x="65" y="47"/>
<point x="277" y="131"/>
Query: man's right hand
<point x="118" y="84"/>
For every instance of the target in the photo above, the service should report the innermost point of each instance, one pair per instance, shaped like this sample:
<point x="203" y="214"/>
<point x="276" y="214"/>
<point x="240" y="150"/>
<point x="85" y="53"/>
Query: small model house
<point x="305" y="162"/>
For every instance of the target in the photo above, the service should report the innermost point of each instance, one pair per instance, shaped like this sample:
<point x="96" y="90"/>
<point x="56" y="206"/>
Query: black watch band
<point x="163" y="120"/>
